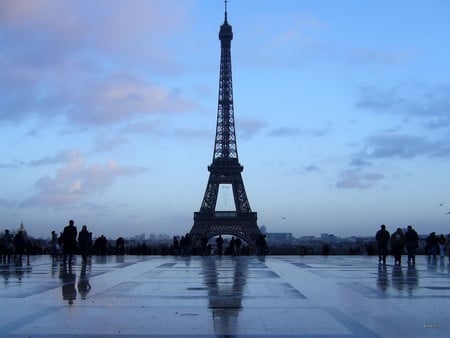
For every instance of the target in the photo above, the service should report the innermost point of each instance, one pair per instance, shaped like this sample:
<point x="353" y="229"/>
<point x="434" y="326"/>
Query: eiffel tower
<point x="225" y="167"/>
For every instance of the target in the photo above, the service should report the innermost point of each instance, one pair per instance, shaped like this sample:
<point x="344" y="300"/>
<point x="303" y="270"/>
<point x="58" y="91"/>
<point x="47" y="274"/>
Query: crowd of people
<point x="409" y="240"/>
<point x="234" y="247"/>
<point x="70" y="242"/>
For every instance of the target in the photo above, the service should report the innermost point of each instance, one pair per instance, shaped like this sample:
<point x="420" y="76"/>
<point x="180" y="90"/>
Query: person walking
<point x="69" y="240"/>
<point x="412" y="243"/>
<point x="85" y="243"/>
<point x="397" y="243"/>
<point x="382" y="237"/>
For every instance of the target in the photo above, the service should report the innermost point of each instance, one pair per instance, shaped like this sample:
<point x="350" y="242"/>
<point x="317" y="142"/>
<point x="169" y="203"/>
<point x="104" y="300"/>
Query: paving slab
<point x="274" y="296"/>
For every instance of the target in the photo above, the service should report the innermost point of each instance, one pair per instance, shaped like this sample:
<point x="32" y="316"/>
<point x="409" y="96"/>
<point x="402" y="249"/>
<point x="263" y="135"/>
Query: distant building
<point x="140" y="237"/>
<point x="279" y="237"/>
<point x="330" y="238"/>
<point x="307" y="238"/>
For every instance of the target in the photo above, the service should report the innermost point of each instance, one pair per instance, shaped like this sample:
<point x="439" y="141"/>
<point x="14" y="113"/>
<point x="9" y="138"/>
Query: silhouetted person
<point x="204" y="245"/>
<point x="219" y="242"/>
<point x="85" y="243"/>
<point x="187" y="243"/>
<point x="441" y="243"/>
<point x="261" y="246"/>
<point x="7" y="246"/>
<point x="237" y="246"/>
<point x="432" y="246"/>
<point x="20" y="244"/>
<point x="54" y="246"/>
<point x="101" y="245"/>
<point x="69" y="239"/>
<point x="397" y="243"/>
<point x="231" y="246"/>
<point x="325" y="250"/>
<point x="382" y="236"/>
<point x="412" y="243"/>
<point x="120" y="246"/>
<point x="448" y="241"/>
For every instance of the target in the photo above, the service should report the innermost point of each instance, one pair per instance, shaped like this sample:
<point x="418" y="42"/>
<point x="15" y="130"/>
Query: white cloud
<point x="80" y="60"/>
<point x="358" y="179"/>
<point x="75" y="180"/>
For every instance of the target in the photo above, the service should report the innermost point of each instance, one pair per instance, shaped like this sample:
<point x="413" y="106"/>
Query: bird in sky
<point x="448" y="213"/>
<point x="441" y="204"/>
<point x="282" y="217"/>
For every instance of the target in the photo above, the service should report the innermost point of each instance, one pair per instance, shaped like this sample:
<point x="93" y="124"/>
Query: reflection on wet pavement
<point x="276" y="296"/>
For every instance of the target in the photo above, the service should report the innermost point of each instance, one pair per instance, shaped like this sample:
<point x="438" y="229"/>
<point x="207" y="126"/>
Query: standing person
<point x="231" y="246"/>
<point x="120" y="246"/>
<point x="101" y="246"/>
<point x="448" y="241"/>
<point x="262" y="249"/>
<point x="412" y="243"/>
<point x="237" y="246"/>
<point x="219" y="242"/>
<point x="176" y="246"/>
<point x="441" y="243"/>
<point x="382" y="237"/>
<point x="19" y="242"/>
<point x="7" y="246"/>
<point x="69" y="239"/>
<point x="397" y="243"/>
<point x="85" y="243"/>
<point x="54" y="245"/>
<point x="432" y="245"/>
<point x="204" y="245"/>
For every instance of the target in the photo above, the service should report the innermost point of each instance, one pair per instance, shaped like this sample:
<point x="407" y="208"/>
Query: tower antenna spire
<point x="226" y="1"/>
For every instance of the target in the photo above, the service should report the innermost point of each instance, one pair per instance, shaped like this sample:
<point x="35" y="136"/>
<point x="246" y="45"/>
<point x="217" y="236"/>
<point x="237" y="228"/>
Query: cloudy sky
<point x="108" y="112"/>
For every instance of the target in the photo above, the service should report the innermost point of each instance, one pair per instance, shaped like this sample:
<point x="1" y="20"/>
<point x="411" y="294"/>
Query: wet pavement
<point x="279" y="296"/>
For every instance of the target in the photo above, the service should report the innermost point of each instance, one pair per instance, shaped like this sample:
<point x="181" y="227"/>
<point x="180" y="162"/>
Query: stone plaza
<point x="247" y="296"/>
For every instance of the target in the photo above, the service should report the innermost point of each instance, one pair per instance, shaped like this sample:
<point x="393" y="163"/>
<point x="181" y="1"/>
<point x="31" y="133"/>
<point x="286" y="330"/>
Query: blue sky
<point x="108" y="112"/>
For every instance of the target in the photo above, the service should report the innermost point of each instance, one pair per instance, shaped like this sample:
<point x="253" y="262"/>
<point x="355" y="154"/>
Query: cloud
<point x="403" y="147"/>
<point x="247" y="128"/>
<point x="295" y="131"/>
<point x="298" y="40"/>
<point x="358" y="179"/>
<point x="60" y="157"/>
<point x="123" y="98"/>
<point x="75" y="180"/>
<point x="90" y="63"/>
<point x="10" y="165"/>
<point x="7" y="204"/>
<point x="306" y="169"/>
<point x="360" y="161"/>
<point x="431" y="103"/>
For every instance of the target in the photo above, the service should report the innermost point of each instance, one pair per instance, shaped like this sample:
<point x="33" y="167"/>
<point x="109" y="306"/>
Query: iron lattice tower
<point x="225" y="167"/>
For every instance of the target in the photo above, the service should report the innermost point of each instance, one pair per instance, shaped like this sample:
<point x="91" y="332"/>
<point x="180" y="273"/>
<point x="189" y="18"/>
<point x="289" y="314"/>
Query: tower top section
<point x="226" y="32"/>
